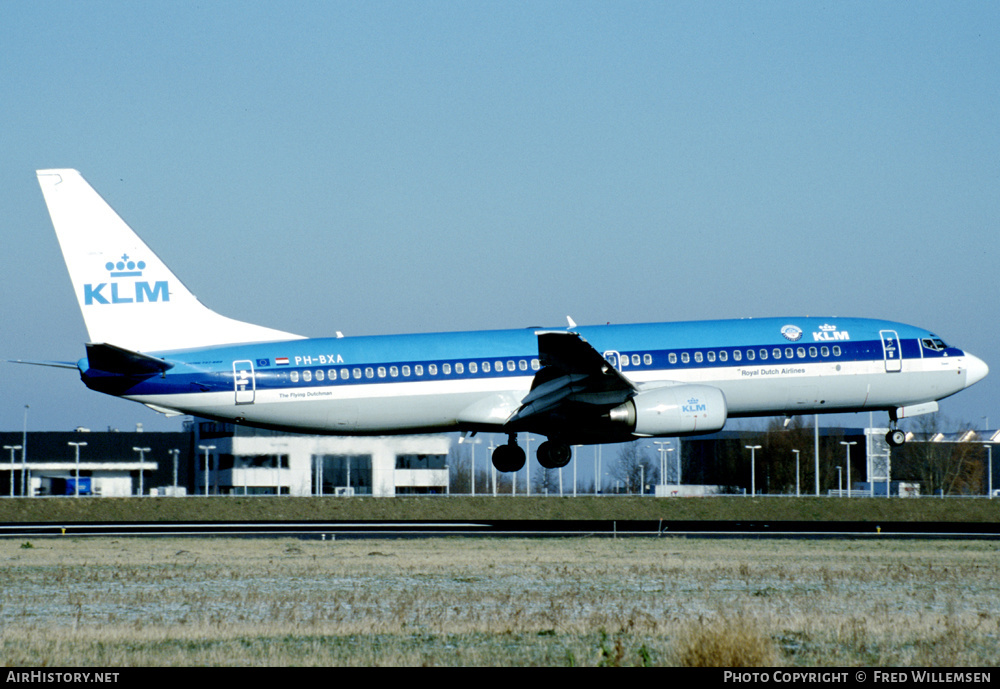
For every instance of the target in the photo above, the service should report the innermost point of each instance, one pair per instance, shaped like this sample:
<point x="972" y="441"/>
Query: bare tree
<point x="954" y="468"/>
<point x="633" y="467"/>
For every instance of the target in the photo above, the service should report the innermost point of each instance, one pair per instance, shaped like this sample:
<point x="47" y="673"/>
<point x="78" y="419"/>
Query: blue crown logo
<point x="125" y="268"/>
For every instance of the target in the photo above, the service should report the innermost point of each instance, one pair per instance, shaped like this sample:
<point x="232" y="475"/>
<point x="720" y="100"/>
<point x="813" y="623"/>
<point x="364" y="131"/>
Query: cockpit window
<point x="934" y="344"/>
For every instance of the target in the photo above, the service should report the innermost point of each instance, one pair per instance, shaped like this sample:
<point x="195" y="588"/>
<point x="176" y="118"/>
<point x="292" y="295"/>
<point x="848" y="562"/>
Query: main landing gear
<point x="551" y="455"/>
<point x="554" y="455"/>
<point x="510" y="457"/>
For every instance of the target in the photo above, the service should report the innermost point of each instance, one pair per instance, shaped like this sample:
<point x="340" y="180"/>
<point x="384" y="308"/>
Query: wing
<point x="573" y="375"/>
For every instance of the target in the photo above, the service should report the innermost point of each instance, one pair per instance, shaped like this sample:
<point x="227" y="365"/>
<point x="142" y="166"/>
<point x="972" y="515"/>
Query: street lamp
<point x="142" y="455"/>
<point x="206" y="449"/>
<point x="847" y="450"/>
<point x="753" y="468"/>
<point x="840" y="483"/>
<point x="76" y="488"/>
<point x="12" y="448"/>
<point x="796" y="472"/>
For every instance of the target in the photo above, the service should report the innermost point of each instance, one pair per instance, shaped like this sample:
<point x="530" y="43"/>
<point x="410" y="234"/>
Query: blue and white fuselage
<point x="154" y="343"/>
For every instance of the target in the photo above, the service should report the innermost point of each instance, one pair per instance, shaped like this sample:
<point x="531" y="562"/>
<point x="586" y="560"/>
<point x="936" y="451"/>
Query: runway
<point x="322" y="530"/>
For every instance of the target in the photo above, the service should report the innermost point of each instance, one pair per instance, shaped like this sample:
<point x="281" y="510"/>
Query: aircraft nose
<point x="975" y="370"/>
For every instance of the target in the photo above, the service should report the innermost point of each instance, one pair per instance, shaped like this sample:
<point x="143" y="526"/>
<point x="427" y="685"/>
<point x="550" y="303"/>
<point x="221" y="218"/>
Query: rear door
<point x="244" y="381"/>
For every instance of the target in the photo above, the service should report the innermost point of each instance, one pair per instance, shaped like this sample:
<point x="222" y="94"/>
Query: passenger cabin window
<point x="836" y="350"/>
<point x="723" y="355"/>
<point x="647" y="359"/>
<point x="737" y="355"/>
<point x="697" y="357"/>
<point x="446" y="369"/>
<point x="672" y="358"/>
<point x="750" y="355"/>
<point x="711" y="357"/>
<point x="685" y="358"/>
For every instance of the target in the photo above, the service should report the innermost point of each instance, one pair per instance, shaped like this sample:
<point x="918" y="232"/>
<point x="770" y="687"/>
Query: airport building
<point x="219" y="459"/>
<point x="210" y="458"/>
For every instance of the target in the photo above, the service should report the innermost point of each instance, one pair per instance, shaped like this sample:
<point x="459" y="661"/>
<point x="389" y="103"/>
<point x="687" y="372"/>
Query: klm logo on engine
<point x="125" y="292"/>
<point x="693" y="406"/>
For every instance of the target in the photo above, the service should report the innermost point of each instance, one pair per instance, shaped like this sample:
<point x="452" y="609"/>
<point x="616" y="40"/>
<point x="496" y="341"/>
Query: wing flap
<point x="573" y="373"/>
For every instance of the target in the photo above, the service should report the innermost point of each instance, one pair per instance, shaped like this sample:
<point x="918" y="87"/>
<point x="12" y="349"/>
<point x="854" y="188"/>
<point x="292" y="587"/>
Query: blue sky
<point x="381" y="167"/>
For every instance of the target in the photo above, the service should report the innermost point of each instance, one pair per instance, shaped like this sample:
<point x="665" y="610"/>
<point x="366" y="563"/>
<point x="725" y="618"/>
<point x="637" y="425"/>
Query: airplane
<point x="153" y="342"/>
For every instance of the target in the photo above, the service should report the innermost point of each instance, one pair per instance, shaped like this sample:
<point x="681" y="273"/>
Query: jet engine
<point x="674" y="410"/>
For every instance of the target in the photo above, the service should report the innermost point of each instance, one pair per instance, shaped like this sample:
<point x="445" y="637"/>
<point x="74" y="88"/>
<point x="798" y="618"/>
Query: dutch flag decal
<point x="281" y="361"/>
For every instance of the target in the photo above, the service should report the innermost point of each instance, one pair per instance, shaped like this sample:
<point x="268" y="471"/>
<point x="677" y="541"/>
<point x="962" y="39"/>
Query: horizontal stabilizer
<point x="112" y="359"/>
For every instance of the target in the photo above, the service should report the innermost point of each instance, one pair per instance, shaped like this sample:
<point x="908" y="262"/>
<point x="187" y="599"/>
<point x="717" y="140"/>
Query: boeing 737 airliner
<point x="153" y="342"/>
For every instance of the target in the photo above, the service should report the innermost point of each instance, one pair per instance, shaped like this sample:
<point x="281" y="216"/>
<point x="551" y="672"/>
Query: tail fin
<point x="128" y="296"/>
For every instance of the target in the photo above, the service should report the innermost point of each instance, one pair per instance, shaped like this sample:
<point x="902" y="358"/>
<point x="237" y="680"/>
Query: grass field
<point x="472" y="602"/>
<point x="465" y="508"/>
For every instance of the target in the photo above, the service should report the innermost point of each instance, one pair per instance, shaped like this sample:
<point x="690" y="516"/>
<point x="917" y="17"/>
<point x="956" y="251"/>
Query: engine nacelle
<point x="674" y="410"/>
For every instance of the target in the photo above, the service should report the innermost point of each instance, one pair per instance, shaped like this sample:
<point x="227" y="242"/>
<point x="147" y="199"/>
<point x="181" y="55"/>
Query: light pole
<point x="663" y="461"/>
<point x="574" y="469"/>
<point x="494" y="472"/>
<point x="206" y="449"/>
<point x="796" y="472"/>
<point x="142" y="456"/>
<point x="989" y="470"/>
<point x="175" y="453"/>
<point x="840" y="483"/>
<point x="24" y="452"/>
<point x="12" y="448"/>
<point x="753" y="469"/>
<point x="847" y="450"/>
<point x="527" y="462"/>
<point x="76" y="488"/>
<point x="466" y="441"/>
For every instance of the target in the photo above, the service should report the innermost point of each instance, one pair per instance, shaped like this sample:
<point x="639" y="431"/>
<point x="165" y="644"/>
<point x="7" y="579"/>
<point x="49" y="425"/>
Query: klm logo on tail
<point x="136" y="292"/>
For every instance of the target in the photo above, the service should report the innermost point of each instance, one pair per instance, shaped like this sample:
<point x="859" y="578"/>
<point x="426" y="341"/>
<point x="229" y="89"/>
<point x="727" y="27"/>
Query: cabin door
<point x="891" y="351"/>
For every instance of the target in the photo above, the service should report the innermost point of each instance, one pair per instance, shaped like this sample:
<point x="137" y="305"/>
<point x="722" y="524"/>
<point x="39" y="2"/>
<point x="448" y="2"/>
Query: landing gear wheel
<point x="553" y="455"/>
<point x="895" y="438"/>
<point x="508" y="458"/>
